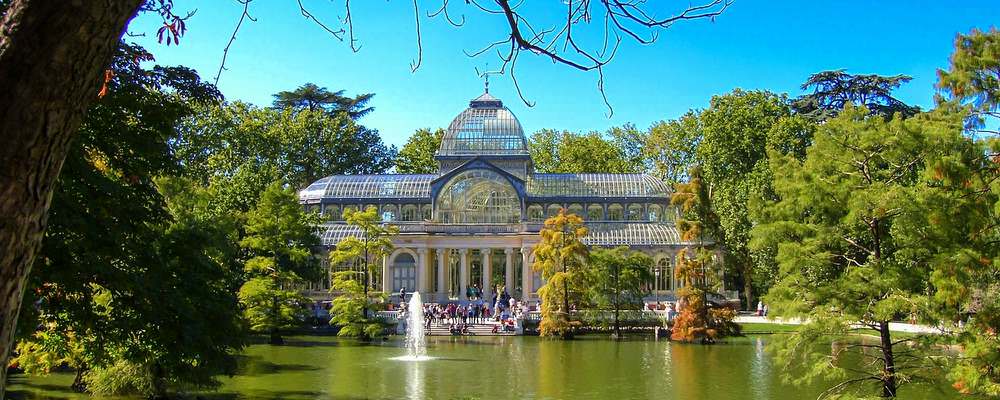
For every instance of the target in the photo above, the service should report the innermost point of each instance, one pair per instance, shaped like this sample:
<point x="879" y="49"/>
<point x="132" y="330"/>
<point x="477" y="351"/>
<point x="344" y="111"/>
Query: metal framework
<point x="478" y="196"/>
<point x="485" y="128"/>
<point x="596" y="185"/>
<point x="631" y="234"/>
<point x="391" y="186"/>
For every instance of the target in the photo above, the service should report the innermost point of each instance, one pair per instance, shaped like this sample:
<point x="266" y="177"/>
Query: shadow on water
<point x="256" y="366"/>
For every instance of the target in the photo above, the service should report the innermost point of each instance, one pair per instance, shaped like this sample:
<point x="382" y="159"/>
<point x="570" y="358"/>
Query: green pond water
<point x="497" y="368"/>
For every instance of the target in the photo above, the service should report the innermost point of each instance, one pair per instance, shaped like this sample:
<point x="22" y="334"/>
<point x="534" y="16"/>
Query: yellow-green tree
<point x="561" y="258"/>
<point x="374" y="243"/>
<point x="696" y="267"/>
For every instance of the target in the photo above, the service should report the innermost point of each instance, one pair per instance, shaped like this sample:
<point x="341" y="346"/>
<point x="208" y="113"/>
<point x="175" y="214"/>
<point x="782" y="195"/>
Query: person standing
<point x="760" y="308"/>
<point x="402" y="294"/>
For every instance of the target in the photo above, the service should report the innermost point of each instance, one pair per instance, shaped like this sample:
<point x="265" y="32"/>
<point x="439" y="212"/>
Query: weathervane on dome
<point x="485" y="74"/>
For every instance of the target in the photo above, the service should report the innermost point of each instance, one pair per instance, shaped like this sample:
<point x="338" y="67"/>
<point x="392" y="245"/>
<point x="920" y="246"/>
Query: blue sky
<point x="756" y="44"/>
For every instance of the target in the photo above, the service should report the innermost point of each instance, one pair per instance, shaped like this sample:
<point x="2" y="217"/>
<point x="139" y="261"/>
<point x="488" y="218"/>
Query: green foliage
<point x="737" y="130"/>
<point x="314" y="98"/>
<point x="672" y="145"/>
<point x="973" y="78"/>
<point x="417" y="155"/>
<point x="617" y="279"/>
<point x="240" y="149"/>
<point x="561" y="258"/>
<point x="280" y="237"/>
<point x="351" y="308"/>
<point x="868" y="229"/>
<point x="618" y="151"/>
<point x="833" y="90"/>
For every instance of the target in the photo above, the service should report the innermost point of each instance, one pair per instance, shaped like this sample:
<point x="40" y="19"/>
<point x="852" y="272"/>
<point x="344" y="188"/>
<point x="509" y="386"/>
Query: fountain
<point x="416" y="346"/>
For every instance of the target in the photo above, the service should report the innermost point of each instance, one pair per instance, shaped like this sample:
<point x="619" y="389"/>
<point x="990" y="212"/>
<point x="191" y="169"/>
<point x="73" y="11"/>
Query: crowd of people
<point x="503" y="313"/>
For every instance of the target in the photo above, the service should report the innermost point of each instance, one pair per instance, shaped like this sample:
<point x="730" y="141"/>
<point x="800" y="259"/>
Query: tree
<point x="241" y="149"/>
<point x="697" y="266"/>
<point x="854" y="244"/>
<point x="973" y="77"/>
<point x="375" y="244"/>
<point x="314" y="98"/>
<point x="52" y="59"/>
<point x="107" y="225"/>
<point x="672" y="146"/>
<point x="567" y="152"/>
<point x="737" y="130"/>
<point x="833" y="90"/>
<point x="281" y="237"/>
<point x="352" y="307"/>
<point x="618" y="280"/>
<point x="561" y="258"/>
<point x="417" y="155"/>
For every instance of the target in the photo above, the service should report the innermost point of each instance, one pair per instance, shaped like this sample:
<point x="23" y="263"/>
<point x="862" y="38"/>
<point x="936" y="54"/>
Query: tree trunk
<point x="52" y="58"/>
<point x="748" y="287"/>
<point x="889" y="363"/>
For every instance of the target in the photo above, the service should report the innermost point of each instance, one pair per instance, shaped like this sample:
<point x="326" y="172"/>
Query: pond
<point x="316" y="367"/>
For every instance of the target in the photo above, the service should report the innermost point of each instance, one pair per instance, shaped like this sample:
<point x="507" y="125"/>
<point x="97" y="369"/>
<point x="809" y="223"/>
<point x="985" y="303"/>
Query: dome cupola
<point x="486" y="128"/>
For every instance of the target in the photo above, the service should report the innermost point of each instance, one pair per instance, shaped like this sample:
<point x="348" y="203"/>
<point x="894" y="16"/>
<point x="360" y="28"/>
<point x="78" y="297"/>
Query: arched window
<point x="595" y="212"/>
<point x="333" y="212"/>
<point x="553" y="210"/>
<point x="536" y="213"/>
<point x="425" y="211"/>
<point x="347" y="207"/>
<point x="478" y="196"/>
<point x="635" y="212"/>
<point x="616" y="212"/>
<point x="410" y="213"/>
<point x="389" y="213"/>
<point x="404" y="273"/>
<point x="654" y="212"/>
<point x="575" y="209"/>
<point x="662" y="273"/>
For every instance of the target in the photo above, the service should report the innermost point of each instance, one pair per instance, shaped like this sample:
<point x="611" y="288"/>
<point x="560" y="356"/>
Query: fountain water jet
<point x="416" y="346"/>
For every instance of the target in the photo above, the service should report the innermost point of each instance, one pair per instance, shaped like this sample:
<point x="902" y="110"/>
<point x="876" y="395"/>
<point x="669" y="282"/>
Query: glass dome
<point x="485" y="128"/>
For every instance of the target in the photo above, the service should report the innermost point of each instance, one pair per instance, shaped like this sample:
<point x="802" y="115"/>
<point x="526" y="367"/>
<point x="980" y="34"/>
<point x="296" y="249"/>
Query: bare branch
<point x="225" y="52"/>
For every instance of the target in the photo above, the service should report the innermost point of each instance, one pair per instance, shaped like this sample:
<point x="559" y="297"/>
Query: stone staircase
<point x="483" y="329"/>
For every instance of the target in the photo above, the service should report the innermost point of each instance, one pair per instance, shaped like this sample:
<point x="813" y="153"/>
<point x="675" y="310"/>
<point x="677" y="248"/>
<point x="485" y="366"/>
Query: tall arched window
<point x="425" y="211"/>
<point x="410" y="213"/>
<point x="595" y="212"/>
<point x="404" y="273"/>
<point x="662" y="272"/>
<point x="553" y="210"/>
<point x="536" y="213"/>
<point x="654" y="212"/>
<point x="635" y="212"/>
<point x="478" y="196"/>
<point x="616" y="212"/>
<point x="390" y="213"/>
<point x="575" y="209"/>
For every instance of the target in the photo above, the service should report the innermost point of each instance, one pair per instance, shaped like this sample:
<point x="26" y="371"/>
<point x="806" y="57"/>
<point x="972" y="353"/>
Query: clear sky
<point x="755" y="44"/>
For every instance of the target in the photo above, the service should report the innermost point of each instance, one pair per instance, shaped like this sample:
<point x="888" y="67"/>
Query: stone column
<point x="508" y="272"/>
<point x="386" y="276"/>
<point x="442" y="286"/>
<point x="487" y="273"/>
<point x="422" y="271"/>
<point x="526" y="275"/>
<point x="463" y="273"/>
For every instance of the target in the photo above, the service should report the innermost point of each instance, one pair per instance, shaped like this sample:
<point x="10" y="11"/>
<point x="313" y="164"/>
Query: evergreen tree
<point x="561" y="258"/>
<point x="973" y="78"/>
<point x="362" y="254"/>
<point x="833" y="90"/>
<point x="280" y="236"/>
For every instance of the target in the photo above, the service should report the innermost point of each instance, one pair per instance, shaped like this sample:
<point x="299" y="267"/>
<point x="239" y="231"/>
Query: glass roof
<point x="605" y="234"/>
<point x="370" y="186"/>
<point x="486" y="127"/>
<point x="596" y="185"/>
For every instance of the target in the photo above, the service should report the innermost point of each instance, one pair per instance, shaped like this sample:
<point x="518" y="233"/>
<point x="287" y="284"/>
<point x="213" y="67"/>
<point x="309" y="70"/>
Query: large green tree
<point x="240" y="149"/>
<point x="855" y="229"/>
<point x="618" y="279"/>
<point x="280" y="237"/>
<point x="112" y="234"/>
<point x="671" y="146"/>
<point x="417" y="155"/>
<point x="618" y="151"/>
<point x="737" y="130"/>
